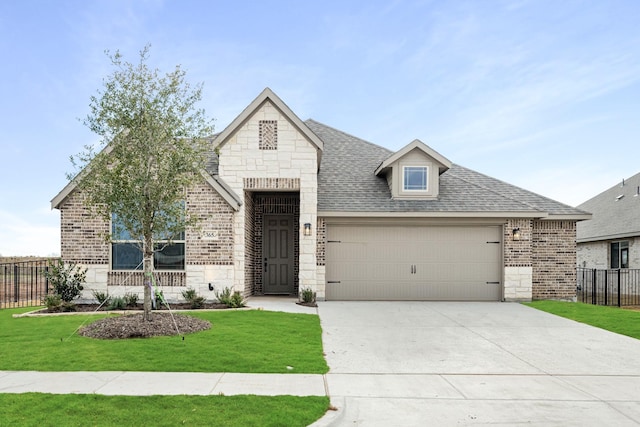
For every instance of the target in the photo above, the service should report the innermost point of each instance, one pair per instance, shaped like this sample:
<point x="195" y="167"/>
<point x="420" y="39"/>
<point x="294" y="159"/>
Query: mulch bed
<point x="307" y="304"/>
<point x="162" y="323"/>
<point x="135" y="326"/>
<point x="88" y="308"/>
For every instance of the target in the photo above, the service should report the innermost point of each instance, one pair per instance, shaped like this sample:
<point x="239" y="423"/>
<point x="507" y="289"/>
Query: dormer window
<point x="415" y="178"/>
<point x="413" y="173"/>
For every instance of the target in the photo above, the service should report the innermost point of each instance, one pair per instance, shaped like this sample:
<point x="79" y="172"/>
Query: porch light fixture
<point x="516" y="234"/>
<point x="307" y="229"/>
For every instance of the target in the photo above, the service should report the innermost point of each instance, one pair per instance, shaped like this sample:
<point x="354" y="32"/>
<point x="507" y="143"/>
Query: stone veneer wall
<point x="554" y="259"/>
<point x="291" y="167"/>
<point x="518" y="269"/>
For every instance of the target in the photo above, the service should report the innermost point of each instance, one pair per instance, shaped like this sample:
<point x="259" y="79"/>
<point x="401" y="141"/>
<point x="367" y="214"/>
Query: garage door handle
<point x="493" y="283"/>
<point x="333" y="281"/>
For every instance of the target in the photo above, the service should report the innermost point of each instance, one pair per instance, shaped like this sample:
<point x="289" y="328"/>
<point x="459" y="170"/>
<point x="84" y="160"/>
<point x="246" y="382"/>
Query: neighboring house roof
<point x="614" y="216"/>
<point x="267" y="95"/>
<point x="347" y="185"/>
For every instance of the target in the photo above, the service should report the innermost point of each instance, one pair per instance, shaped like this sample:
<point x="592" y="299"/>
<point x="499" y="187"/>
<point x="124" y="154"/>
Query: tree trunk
<point x="148" y="276"/>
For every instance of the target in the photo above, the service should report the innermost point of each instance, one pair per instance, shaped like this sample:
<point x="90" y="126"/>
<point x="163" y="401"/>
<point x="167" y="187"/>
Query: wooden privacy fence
<point x="23" y="283"/>
<point x="617" y="287"/>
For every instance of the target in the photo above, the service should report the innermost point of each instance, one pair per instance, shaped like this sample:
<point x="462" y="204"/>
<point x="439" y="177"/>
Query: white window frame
<point x="426" y="179"/>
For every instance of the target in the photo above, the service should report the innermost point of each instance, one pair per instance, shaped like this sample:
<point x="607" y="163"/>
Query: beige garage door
<point x="453" y="263"/>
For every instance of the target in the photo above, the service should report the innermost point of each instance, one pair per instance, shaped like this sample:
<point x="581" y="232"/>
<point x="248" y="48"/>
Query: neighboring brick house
<point x="611" y="239"/>
<point x="287" y="205"/>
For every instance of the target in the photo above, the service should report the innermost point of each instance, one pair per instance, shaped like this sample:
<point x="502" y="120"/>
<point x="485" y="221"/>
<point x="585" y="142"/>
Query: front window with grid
<point x="126" y="252"/>
<point x="414" y="178"/>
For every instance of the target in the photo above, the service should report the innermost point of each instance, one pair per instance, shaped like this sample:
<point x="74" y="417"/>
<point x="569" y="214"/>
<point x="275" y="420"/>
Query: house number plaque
<point x="210" y="235"/>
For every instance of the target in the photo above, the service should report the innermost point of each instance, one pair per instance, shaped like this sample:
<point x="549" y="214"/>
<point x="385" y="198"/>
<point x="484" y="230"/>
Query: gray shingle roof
<point x="613" y="217"/>
<point x="346" y="183"/>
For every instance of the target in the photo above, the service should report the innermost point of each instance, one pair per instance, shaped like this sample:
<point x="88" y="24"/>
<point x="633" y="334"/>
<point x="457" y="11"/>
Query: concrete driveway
<point x="445" y="363"/>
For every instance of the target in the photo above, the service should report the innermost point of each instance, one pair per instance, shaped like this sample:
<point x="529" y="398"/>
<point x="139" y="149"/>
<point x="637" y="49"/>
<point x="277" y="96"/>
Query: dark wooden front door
<point x="277" y="250"/>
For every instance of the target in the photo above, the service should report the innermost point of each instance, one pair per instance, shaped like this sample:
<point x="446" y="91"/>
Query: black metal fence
<point x="619" y="287"/>
<point x="23" y="284"/>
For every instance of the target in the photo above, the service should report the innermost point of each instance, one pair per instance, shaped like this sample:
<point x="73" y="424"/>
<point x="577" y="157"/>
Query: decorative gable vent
<point x="268" y="135"/>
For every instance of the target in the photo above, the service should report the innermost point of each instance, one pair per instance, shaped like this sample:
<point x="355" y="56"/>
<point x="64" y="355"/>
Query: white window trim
<point x="426" y="171"/>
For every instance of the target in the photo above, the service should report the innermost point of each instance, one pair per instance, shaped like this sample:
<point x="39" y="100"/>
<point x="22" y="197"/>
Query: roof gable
<point x="218" y="185"/>
<point x="267" y="95"/>
<point x="443" y="163"/>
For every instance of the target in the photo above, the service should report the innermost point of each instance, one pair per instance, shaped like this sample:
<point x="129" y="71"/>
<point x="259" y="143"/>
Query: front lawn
<point x="614" y="319"/>
<point x="36" y="409"/>
<point x="239" y="341"/>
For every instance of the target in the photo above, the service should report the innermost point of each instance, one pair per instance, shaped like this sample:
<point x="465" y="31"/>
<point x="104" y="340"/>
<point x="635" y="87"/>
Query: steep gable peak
<point x="268" y="96"/>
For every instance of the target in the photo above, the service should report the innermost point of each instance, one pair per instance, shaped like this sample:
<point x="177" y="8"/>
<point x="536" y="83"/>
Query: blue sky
<point x="541" y="94"/>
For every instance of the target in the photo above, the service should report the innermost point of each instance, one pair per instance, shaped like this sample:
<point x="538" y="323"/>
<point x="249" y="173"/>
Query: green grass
<point x="238" y="341"/>
<point x="36" y="409"/>
<point x="614" y="319"/>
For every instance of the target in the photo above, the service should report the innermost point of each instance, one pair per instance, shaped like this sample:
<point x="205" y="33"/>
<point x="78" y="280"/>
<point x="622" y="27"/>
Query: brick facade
<point x="554" y="259"/>
<point x="321" y="242"/>
<point x="211" y="241"/>
<point x="82" y="233"/>
<point x="250" y="246"/>
<point x="517" y="253"/>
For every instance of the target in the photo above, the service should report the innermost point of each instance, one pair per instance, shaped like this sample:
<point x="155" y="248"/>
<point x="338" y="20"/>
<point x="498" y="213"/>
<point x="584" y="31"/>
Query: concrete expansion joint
<point x="217" y="382"/>
<point x="109" y="382"/>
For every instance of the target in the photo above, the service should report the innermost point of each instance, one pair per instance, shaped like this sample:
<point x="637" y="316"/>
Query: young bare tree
<point x="152" y="148"/>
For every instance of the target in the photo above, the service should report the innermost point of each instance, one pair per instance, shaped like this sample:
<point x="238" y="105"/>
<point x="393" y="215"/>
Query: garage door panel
<point x="359" y="290"/>
<point x="414" y="263"/>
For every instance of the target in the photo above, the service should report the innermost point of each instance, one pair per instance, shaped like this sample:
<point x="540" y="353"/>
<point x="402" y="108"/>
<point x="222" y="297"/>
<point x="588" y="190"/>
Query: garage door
<point x="452" y="263"/>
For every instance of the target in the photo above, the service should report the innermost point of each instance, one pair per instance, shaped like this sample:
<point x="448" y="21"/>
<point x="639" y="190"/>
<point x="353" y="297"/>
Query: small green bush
<point x="117" y="303"/>
<point x="65" y="279"/>
<point x="307" y="295"/>
<point x="231" y="300"/>
<point x="159" y="296"/>
<point x="192" y="297"/>
<point x="130" y="299"/>
<point x="53" y="302"/>
<point x="103" y="298"/>
<point x="189" y="294"/>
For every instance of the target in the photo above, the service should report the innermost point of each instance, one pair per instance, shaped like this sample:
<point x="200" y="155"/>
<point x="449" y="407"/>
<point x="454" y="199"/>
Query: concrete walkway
<point x="161" y="383"/>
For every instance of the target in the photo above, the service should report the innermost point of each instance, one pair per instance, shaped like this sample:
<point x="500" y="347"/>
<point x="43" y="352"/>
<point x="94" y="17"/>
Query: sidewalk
<point x="173" y="383"/>
<point x="161" y="383"/>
